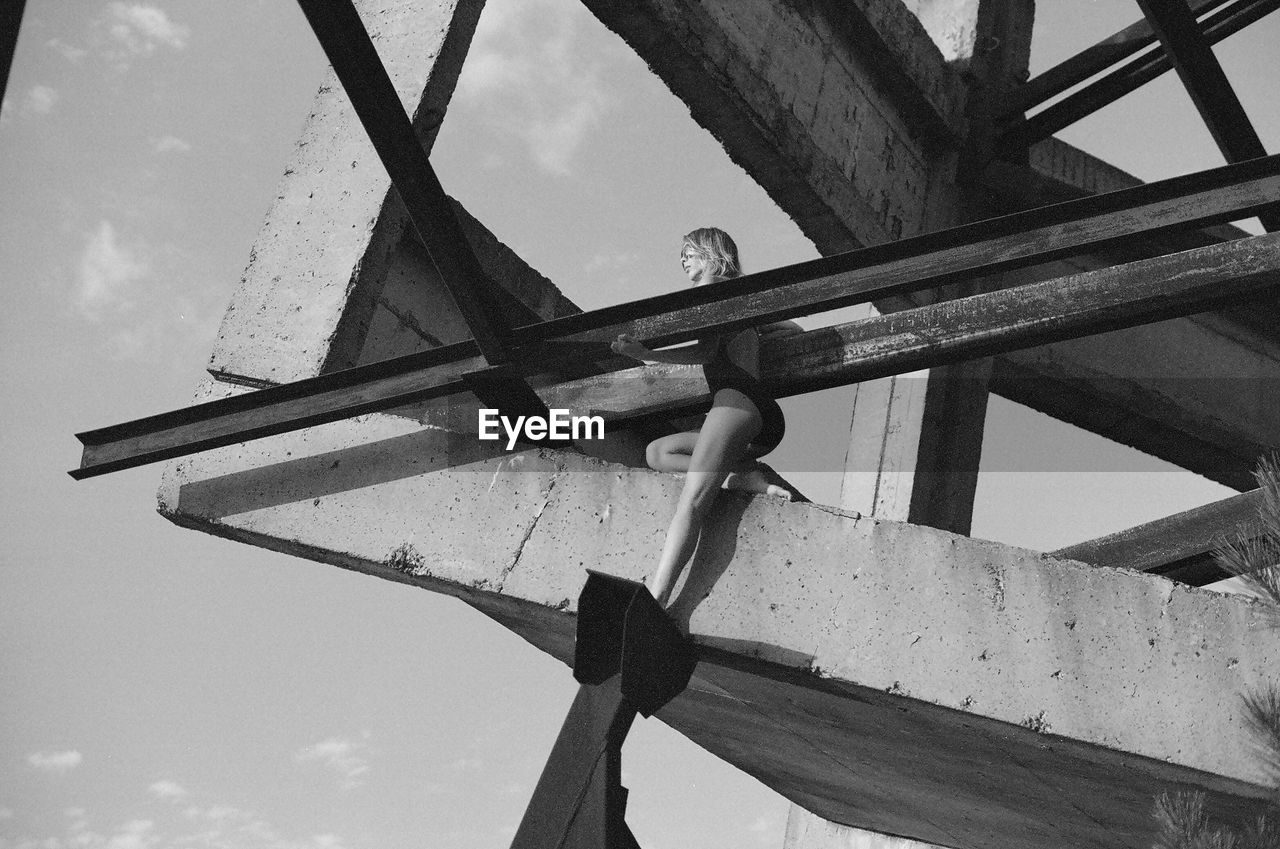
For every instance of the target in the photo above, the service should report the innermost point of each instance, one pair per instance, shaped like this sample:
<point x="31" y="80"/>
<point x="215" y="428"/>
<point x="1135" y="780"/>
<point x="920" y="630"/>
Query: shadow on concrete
<point x="716" y="547"/>
<point x="341" y="470"/>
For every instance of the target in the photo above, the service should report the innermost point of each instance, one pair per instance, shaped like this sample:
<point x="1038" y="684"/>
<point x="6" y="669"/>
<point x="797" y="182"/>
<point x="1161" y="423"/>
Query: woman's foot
<point x="754" y="480"/>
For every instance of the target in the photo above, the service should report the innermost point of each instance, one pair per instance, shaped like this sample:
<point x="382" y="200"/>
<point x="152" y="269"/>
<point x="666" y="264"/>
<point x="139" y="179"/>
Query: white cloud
<point x="528" y="74"/>
<point x="341" y="756"/>
<point x="41" y="99"/>
<point x="67" y="51"/>
<point x="107" y="274"/>
<point x="135" y="834"/>
<point x="55" y="761"/>
<point x="610" y="262"/>
<point x="170" y="144"/>
<point x="217" y="827"/>
<point x="167" y="791"/>
<point x="140" y="28"/>
<point x="767" y="828"/>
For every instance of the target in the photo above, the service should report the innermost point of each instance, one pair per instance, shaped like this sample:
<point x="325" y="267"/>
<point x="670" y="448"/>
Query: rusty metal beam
<point x="342" y="34"/>
<point x="951" y="331"/>
<point x="1204" y="79"/>
<point x="629" y="658"/>
<point x="1095" y="59"/>
<point x="951" y="256"/>
<point x="1129" y="77"/>
<point x="1180" y="546"/>
<point x="10" y="23"/>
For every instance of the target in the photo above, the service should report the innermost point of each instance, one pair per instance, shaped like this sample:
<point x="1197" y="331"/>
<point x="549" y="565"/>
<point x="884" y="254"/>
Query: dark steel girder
<point x="1094" y="60"/>
<point x="1204" y="79"/>
<point x="1106" y="90"/>
<point x="342" y="34"/>
<point x="10" y="23"/>
<point x="1182" y="546"/>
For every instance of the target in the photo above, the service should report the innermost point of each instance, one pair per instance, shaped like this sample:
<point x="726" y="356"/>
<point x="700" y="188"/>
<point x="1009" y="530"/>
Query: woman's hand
<point x="780" y="330"/>
<point x="629" y="347"/>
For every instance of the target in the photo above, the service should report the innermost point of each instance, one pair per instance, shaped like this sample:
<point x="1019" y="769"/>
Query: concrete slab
<point x="883" y="675"/>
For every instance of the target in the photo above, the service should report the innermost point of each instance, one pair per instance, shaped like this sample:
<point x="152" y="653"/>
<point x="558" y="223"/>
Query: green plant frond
<point x="1254" y="554"/>
<point x="1267" y="475"/>
<point x="1263" y="833"/>
<point x="1181" y="824"/>
<point x="1179" y="816"/>
<point x="1253" y="559"/>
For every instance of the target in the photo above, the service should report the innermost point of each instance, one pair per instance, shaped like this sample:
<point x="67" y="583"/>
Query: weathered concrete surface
<point x="324" y="224"/>
<point x="317" y="277"/>
<point x="914" y="445"/>
<point x="834" y="108"/>
<point x="402" y="306"/>
<point x="883" y="675"/>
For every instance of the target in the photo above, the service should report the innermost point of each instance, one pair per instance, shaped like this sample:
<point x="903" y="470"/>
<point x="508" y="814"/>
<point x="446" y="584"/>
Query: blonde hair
<point x="716" y="249"/>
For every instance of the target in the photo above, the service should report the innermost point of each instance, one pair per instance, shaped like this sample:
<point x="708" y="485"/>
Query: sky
<point x="162" y="688"/>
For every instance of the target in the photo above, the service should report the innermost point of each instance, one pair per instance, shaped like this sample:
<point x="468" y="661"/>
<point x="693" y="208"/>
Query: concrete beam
<point x="844" y="112"/>
<point x="334" y="255"/>
<point x="326" y="219"/>
<point x="882" y="675"/>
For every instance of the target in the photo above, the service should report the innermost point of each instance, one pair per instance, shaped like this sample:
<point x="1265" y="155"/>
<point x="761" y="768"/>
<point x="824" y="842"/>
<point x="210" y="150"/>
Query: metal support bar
<point x="1207" y="83"/>
<point x="579" y="801"/>
<point x="1094" y="60"/>
<point x="10" y="23"/>
<point x="629" y="658"/>
<point x="1180" y="546"/>
<point x="1204" y="79"/>
<point x="1110" y="88"/>
<point x="952" y="256"/>
<point x="341" y="33"/>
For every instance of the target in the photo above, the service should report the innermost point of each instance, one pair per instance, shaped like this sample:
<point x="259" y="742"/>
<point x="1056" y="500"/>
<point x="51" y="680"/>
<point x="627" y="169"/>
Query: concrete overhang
<point x="887" y="676"/>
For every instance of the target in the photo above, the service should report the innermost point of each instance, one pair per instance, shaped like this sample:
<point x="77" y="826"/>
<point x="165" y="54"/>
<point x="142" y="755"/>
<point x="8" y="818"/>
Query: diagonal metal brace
<point x="629" y="658"/>
<point x="341" y="32"/>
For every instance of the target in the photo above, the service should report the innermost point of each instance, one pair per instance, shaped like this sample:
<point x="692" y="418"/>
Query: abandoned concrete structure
<point x="1062" y="691"/>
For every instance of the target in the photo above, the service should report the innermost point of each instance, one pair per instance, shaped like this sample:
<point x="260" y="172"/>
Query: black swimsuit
<point x="723" y="373"/>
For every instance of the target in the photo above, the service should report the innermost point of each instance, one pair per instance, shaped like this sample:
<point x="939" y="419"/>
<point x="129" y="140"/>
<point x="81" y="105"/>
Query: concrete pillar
<point x="915" y="440"/>
<point x="914" y="445"/>
<point x="328" y="229"/>
<point x="952" y="24"/>
<point x="812" y="832"/>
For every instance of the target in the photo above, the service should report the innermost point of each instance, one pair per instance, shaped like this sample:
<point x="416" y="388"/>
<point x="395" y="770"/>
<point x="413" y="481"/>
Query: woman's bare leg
<point x="720" y="445"/>
<point x="749" y="477"/>
<point x="671" y="453"/>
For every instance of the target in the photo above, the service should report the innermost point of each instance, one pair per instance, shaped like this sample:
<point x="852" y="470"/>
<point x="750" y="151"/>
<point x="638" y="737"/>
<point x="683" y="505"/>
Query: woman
<point x="744" y="422"/>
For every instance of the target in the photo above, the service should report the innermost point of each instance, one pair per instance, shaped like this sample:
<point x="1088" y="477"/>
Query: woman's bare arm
<point x="696" y="354"/>
<point x="779" y="329"/>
